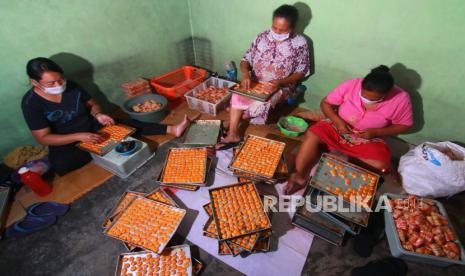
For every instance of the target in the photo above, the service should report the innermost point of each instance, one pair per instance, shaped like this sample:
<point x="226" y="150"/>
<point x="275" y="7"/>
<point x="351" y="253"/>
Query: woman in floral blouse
<point x="278" y="56"/>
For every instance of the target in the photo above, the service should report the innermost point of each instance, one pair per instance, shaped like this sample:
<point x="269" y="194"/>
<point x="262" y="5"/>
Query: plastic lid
<point x="23" y="170"/>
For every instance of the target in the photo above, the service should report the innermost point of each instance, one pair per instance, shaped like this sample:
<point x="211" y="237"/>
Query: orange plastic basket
<point x="175" y="84"/>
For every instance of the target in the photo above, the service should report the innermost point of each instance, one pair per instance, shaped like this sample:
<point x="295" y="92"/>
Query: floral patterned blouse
<point x="271" y="59"/>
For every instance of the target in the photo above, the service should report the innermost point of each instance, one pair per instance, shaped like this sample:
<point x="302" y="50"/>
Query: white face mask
<point x="368" y="101"/>
<point x="279" y="37"/>
<point x="54" y="90"/>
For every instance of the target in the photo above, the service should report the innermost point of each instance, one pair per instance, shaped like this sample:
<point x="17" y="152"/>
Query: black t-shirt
<point x="71" y="115"/>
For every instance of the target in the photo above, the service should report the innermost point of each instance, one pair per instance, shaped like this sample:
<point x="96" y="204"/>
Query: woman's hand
<point x="88" y="137"/>
<point x="342" y="127"/>
<point x="245" y="82"/>
<point x="368" y="134"/>
<point x="104" y="119"/>
<point x="275" y="84"/>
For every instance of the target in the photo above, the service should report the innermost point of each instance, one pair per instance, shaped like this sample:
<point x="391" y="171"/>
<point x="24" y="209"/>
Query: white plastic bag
<point x="433" y="169"/>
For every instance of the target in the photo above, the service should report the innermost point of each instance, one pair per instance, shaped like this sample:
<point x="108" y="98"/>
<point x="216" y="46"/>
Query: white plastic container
<point x="121" y="165"/>
<point x="204" y="106"/>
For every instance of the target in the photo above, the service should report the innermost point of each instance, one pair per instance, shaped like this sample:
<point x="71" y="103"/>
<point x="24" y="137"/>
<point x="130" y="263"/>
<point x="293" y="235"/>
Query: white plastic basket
<point x="204" y="106"/>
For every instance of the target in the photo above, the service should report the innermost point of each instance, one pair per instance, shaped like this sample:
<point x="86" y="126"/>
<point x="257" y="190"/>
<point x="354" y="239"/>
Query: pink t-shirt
<point x="395" y="109"/>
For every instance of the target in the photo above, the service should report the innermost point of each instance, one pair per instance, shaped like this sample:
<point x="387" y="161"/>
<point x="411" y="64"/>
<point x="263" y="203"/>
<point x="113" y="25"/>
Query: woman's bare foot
<point x="295" y="182"/>
<point x="178" y="130"/>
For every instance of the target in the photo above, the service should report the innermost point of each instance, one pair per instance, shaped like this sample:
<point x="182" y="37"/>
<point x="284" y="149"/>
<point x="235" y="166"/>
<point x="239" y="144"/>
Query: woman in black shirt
<point x="60" y="113"/>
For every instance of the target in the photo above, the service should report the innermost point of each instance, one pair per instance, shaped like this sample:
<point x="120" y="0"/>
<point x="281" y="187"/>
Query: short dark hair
<point x="288" y="12"/>
<point x="36" y="67"/>
<point x="379" y="80"/>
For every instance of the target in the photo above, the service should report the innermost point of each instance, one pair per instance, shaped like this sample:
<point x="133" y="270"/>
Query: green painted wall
<point x="422" y="39"/>
<point x="104" y="43"/>
<point x="99" y="43"/>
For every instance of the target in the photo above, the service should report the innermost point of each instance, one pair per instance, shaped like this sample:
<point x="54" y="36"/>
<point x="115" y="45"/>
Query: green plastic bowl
<point x="295" y="122"/>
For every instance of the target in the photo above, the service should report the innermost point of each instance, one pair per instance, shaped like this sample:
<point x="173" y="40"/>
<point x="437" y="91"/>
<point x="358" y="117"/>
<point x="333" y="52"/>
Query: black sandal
<point x="389" y="266"/>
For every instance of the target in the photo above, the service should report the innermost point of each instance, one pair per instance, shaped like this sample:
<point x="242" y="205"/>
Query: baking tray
<point x="319" y="226"/>
<point x="208" y="231"/>
<point x="235" y="250"/>
<point x="205" y="173"/>
<point x="262" y="245"/>
<point x="111" y="143"/>
<point x="208" y="209"/>
<point x="223" y="249"/>
<point x="398" y="251"/>
<point x="282" y="172"/>
<point x="323" y="178"/>
<point x="4" y="198"/>
<point x="114" y="211"/>
<point x="162" y="246"/>
<point x="186" y="187"/>
<point x="215" y="217"/>
<point x="252" y="95"/>
<point x="169" y="199"/>
<point x="358" y="218"/>
<point x="246" y="242"/>
<point x="143" y="254"/>
<point x="203" y="133"/>
<point x="196" y="266"/>
<point x="238" y="169"/>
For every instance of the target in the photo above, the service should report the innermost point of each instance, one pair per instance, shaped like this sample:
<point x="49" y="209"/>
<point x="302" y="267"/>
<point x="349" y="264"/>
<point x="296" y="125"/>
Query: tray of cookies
<point x="158" y="194"/>
<point x="122" y="203"/>
<point x="176" y="260"/>
<point x="341" y="178"/>
<point x="245" y="245"/>
<point x="111" y="136"/>
<point x="258" y="156"/>
<point x="280" y="174"/>
<point x="185" y="166"/>
<point x="147" y="224"/>
<point x="186" y="187"/>
<point x="260" y="91"/>
<point x="238" y="210"/>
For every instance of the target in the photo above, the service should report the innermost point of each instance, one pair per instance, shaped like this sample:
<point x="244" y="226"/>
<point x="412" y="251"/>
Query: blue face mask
<point x="279" y="37"/>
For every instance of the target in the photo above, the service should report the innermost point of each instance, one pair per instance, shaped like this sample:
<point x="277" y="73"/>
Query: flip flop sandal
<point x="389" y="266"/>
<point x="226" y="146"/>
<point x="47" y="209"/>
<point x="29" y="225"/>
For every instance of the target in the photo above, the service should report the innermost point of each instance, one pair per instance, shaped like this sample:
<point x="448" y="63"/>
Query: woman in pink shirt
<point x="360" y="112"/>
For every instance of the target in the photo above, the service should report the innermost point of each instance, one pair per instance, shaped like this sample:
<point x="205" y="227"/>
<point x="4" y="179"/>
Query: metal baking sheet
<point x="208" y="209"/>
<point x="203" y="133"/>
<point x="250" y="244"/>
<point x="186" y="187"/>
<point x="323" y="179"/>
<point x="349" y="226"/>
<point x="281" y="173"/>
<point x="114" y="211"/>
<point x="4" y="197"/>
<point x="205" y="173"/>
<point x="359" y="218"/>
<point x="162" y="246"/>
<point x="262" y="245"/>
<point x="226" y="250"/>
<point x="214" y="211"/>
<point x="111" y="144"/>
<point x="252" y="95"/>
<point x="238" y="169"/>
<point x="319" y="225"/>
<point x="143" y="254"/>
<point x="207" y="231"/>
<point x="164" y="194"/>
<point x="235" y="250"/>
